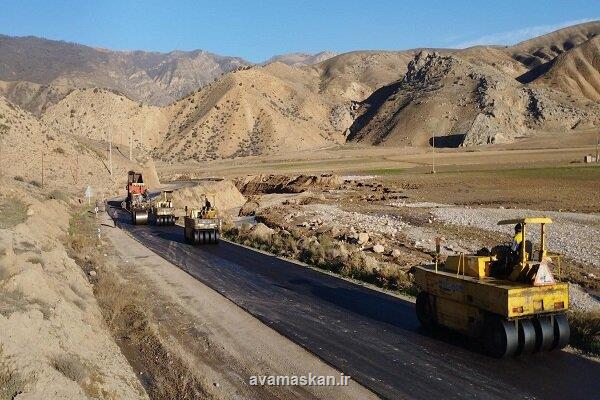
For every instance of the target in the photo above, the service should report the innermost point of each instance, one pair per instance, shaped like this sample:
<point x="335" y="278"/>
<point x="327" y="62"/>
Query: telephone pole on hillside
<point x="433" y="154"/>
<point x="110" y="169"/>
<point x="42" y="169"/>
<point x="130" y="144"/>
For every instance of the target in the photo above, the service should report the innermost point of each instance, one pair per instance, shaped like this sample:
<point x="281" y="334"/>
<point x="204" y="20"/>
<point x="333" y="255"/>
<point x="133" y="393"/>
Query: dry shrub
<point x="36" y="260"/>
<point x="585" y="330"/>
<point x="71" y="367"/>
<point x="12" y="212"/>
<point x="326" y="254"/>
<point x="11" y="382"/>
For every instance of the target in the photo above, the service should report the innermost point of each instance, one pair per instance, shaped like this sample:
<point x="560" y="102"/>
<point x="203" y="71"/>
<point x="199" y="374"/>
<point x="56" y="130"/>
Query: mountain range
<point x="198" y="106"/>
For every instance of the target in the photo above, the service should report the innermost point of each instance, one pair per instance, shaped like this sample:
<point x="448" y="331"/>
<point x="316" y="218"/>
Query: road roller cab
<point x="507" y="296"/>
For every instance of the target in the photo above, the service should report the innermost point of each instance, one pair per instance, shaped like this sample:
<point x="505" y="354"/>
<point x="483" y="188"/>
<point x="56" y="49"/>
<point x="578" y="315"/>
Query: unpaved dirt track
<point x="373" y="337"/>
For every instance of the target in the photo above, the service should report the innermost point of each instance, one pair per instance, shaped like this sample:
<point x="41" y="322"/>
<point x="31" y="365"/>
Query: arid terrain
<point x="347" y="164"/>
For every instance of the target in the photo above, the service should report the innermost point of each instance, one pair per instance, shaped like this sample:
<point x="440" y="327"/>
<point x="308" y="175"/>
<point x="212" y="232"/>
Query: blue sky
<point x="256" y="30"/>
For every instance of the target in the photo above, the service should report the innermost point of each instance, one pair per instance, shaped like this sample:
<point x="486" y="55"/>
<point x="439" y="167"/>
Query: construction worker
<point x="518" y="238"/>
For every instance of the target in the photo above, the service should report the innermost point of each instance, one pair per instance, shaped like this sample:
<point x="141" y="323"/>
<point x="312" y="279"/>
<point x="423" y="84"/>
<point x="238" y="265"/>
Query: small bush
<point x="19" y="178"/>
<point x="59" y="150"/>
<point x="36" y="260"/>
<point x="71" y="367"/>
<point x="58" y="195"/>
<point x="12" y="212"/>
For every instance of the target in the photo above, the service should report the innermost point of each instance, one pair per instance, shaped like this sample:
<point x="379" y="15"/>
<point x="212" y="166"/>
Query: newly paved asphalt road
<point x="373" y="337"/>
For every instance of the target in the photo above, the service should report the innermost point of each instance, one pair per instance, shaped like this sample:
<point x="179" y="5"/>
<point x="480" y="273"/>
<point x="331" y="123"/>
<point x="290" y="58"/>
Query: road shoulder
<point x="222" y="344"/>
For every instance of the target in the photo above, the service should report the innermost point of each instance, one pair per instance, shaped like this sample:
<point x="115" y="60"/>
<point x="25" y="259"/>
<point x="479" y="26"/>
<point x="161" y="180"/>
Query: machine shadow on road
<point x="365" y="302"/>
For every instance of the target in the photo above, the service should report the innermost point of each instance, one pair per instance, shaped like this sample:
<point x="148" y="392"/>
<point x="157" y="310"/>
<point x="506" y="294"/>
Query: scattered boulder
<point x="363" y="238"/>
<point x="378" y="248"/>
<point x="262" y="232"/>
<point x="249" y="208"/>
<point x="396" y="253"/>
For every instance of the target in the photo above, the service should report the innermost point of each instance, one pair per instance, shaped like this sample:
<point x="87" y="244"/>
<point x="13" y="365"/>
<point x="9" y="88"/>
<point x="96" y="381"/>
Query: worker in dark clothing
<point x="518" y="238"/>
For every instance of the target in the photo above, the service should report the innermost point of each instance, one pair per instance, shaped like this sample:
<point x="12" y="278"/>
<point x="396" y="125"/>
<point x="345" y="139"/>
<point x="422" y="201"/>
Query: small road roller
<point x="162" y="211"/>
<point x="202" y="226"/>
<point x="506" y="297"/>
<point x="136" y="202"/>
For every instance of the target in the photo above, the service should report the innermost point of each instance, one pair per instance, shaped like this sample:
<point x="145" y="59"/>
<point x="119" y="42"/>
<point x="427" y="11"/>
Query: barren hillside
<point x="250" y="112"/>
<point x="156" y="78"/>
<point x="541" y="49"/>
<point x="354" y="76"/>
<point x="466" y="104"/>
<point x="96" y="113"/>
<point x="576" y="72"/>
<point x="28" y="147"/>
<point x="33" y="97"/>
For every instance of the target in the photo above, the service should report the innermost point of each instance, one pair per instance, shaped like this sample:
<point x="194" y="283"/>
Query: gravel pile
<point x="387" y="225"/>
<point x="572" y="234"/>
<point x="580" y="300"/>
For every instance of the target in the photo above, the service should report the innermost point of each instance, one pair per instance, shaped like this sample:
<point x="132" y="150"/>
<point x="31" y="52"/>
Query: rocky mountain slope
<point x="155" y="78"/>
<point x="463" y="104"/>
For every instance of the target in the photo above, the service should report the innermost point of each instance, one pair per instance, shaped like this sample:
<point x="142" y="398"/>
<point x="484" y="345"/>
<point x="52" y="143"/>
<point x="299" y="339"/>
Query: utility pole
<point x="597" y="143"/>
<point x="433" y="154"/>
<point x="142" y="135"/>
<point x="130" y="144"/>
<point x="110" y="153"/>
<point x="42" y="169"/>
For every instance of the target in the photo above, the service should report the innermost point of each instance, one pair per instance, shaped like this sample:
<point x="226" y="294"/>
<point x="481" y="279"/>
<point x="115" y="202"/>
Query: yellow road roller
<point x="202" y="226"/>
<point x="507" y="297"/>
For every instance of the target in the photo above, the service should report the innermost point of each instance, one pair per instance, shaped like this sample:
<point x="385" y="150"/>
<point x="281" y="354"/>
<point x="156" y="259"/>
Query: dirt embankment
<point x="222" y="192"/>
<point x="53" y="339"/>
<point x="264" y="184"/>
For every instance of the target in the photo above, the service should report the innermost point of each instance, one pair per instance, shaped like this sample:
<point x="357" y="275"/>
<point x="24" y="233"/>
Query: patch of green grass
<point x="584" y="173"/>
<point x="82" y="230"/>
<point x="576" y="173"/>
<point x="385" y="171"/>
<point x="314" y="164"/>
<point x="12" y="212"/>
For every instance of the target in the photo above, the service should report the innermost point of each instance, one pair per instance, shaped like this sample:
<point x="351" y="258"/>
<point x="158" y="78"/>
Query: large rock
<point x="248" y="209"/>
<point x="378" y="249"/>
<point x="363" y="238"/>
<point x="262" y="232"/>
